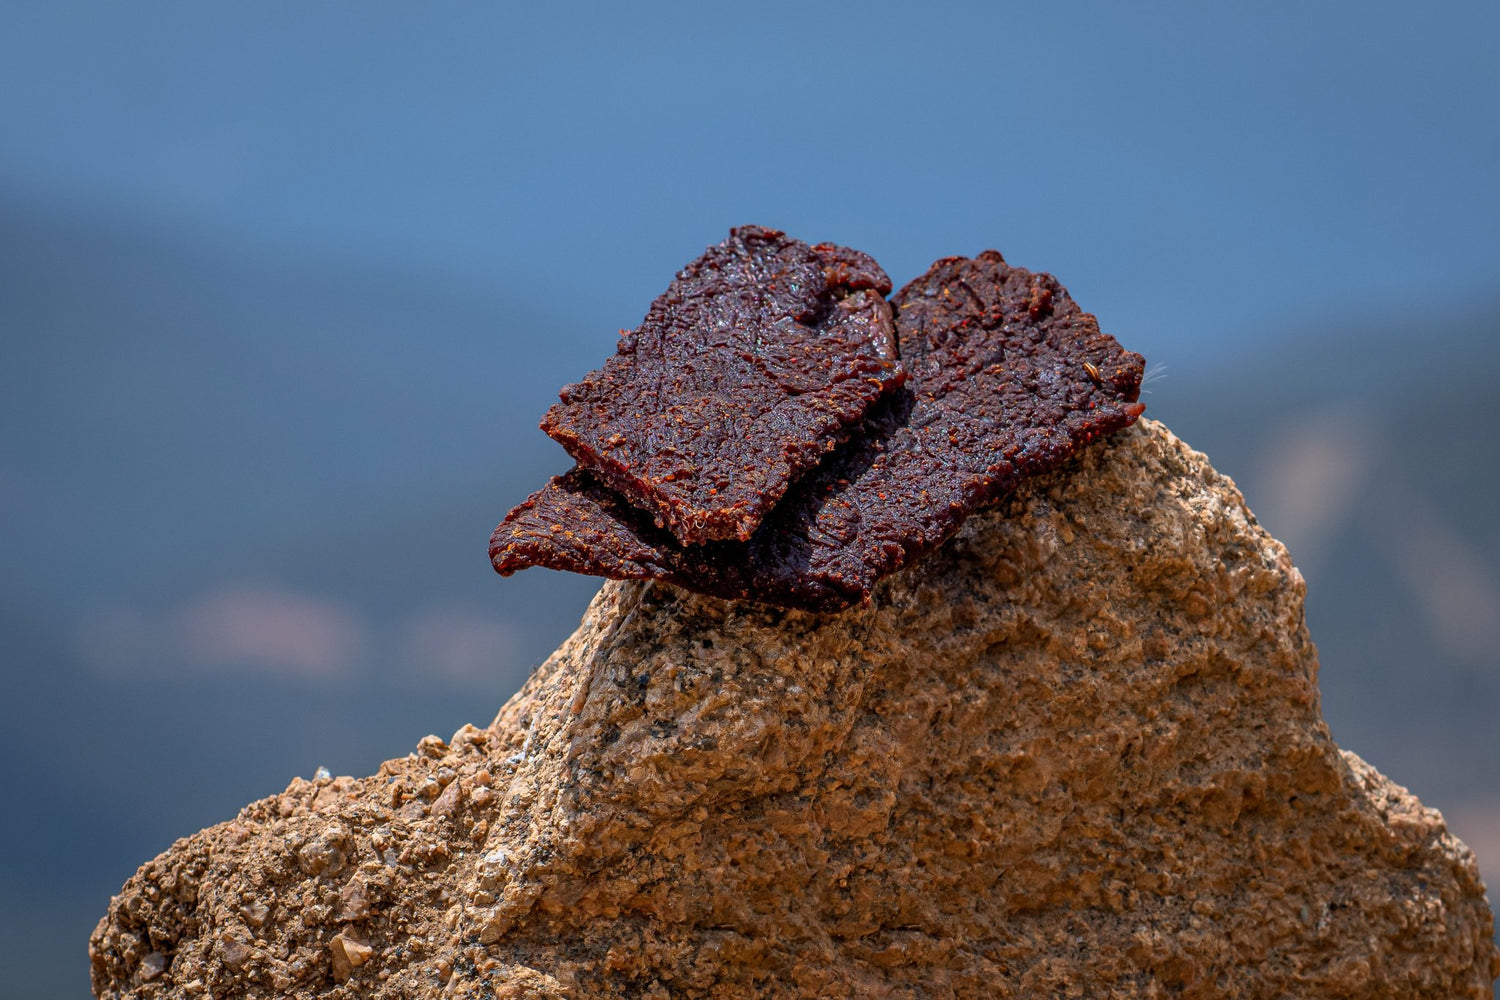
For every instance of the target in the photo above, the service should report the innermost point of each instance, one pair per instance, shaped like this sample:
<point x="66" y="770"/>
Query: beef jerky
<point x="1008" y="378"/>
<point x="754" y="364"/>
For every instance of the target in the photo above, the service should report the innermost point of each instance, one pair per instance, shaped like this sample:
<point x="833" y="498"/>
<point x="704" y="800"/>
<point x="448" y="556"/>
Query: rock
<point x="348" y="955"/>
<point x="152" y="966"/>
<point x="1076" y="752"/>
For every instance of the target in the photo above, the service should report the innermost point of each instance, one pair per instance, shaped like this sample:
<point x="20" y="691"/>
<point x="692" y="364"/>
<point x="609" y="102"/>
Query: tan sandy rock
<point x="1075" y="753"/>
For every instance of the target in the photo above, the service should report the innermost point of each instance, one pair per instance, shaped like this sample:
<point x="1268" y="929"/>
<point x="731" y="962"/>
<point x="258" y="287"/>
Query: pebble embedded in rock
<point x="153" y="965"/>
<point x="354" y="901"/>
<point x="347" y="954"/>
<point x="255" y="914"/>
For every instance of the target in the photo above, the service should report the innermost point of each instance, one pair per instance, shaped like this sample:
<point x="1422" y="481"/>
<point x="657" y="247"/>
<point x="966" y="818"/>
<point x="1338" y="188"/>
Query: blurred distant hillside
<point x="253" y="497"/>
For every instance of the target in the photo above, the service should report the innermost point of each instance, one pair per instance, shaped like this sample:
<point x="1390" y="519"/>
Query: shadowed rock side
<point x="1075" y="752"/>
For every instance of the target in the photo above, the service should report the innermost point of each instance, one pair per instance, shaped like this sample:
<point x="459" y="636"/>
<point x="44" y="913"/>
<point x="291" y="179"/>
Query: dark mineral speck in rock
<point x="1008" y="377"/>
<point x="761" y="357"/>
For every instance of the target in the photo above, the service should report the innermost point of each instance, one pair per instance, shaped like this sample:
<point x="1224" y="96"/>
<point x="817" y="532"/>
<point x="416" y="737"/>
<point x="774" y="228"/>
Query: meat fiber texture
<point x="760" y="358"/>
<point x="1077" y="751"/>
<point x="1008" y="378"/>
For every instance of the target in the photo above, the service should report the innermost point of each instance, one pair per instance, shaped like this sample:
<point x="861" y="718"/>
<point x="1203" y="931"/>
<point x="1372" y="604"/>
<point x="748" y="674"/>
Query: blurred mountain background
<point x="283" y="294"/>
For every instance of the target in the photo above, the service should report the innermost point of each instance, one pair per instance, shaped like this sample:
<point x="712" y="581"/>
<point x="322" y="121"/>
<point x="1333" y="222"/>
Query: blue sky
<point x="1193" y="172"/>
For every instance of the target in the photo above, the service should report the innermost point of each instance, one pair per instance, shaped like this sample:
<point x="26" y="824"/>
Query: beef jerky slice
<point x="754" y="364"/>
<point x="1008" y="378"/>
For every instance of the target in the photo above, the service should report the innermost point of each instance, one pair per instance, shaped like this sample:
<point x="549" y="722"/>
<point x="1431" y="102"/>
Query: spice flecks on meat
<point x="760" y="358"/>
<point x="1008" y="377"/>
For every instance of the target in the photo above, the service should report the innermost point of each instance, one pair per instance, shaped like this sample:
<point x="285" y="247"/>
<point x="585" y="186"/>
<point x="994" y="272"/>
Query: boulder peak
<point x="1076" y="751"/>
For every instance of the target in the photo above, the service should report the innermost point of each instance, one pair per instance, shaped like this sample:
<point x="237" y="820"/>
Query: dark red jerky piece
<point x="1008" y="379"/>
<point x="759" y="359"/>
<point x="578" y="524"/>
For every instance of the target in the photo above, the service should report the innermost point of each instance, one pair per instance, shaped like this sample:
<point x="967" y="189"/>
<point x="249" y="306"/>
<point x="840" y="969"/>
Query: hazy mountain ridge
<point x="150" y="374"/>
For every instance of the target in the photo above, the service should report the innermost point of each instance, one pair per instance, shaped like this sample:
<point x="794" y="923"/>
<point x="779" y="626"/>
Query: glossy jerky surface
<point x="759" y="359"/>
<point x="1007" y="379"/>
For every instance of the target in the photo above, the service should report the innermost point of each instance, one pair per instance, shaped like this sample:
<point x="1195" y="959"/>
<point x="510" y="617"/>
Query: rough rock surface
<point x="1077" y="752"/>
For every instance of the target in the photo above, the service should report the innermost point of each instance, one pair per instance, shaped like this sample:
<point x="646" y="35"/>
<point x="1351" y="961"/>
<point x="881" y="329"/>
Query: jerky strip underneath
<point x="1008" y="378"/>
<point x="755" y="363"/>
